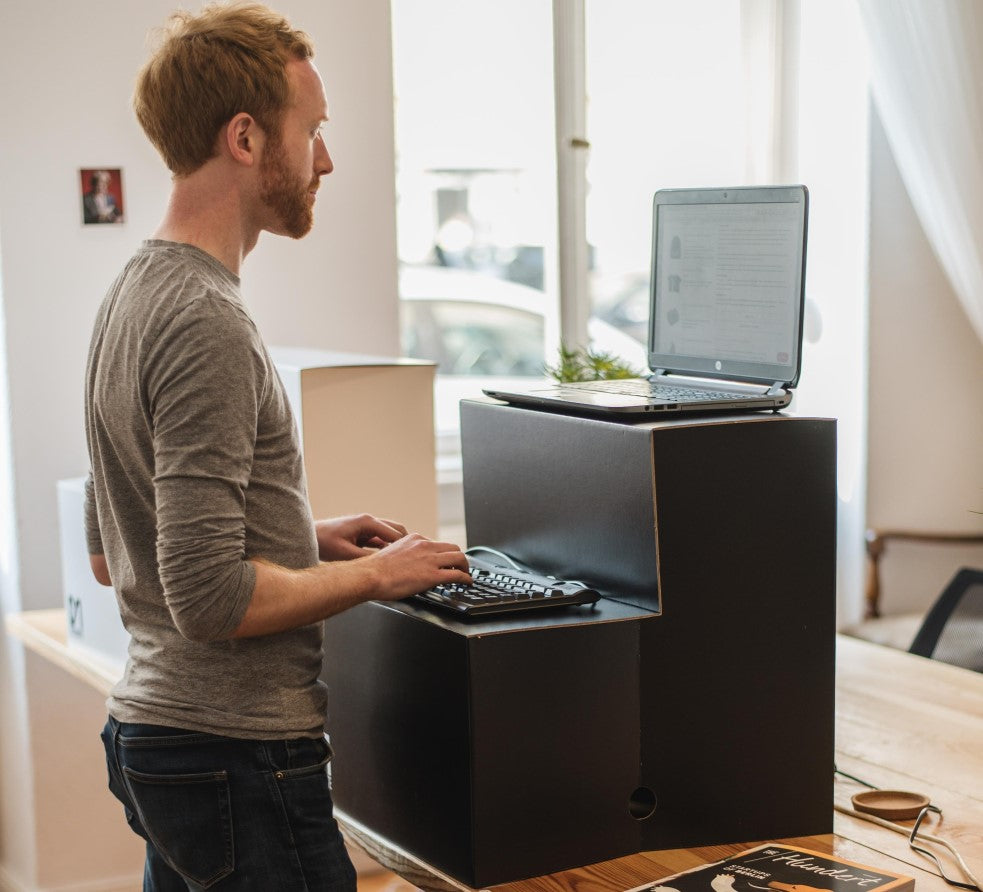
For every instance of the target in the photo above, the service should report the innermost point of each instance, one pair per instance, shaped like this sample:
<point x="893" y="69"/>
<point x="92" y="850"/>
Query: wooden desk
<point x="902" y="722"/>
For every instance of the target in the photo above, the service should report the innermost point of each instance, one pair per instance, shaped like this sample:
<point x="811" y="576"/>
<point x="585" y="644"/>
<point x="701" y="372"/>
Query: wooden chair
<point x="896" y="629"/>
<point x="877" y="541"/>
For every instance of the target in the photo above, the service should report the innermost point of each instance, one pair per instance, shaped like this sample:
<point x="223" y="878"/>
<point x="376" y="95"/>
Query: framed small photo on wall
<point x="102" y="194"/>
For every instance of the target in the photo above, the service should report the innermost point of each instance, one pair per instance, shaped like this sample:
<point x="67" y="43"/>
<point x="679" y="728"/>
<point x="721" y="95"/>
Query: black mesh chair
<point x="953" y="629"/>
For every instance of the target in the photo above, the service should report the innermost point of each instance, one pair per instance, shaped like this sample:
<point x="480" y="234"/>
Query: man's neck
<point x="206" y="212"/>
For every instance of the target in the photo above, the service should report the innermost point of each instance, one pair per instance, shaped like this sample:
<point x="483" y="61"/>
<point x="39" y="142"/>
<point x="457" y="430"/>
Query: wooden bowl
<point x="893" y="805"/>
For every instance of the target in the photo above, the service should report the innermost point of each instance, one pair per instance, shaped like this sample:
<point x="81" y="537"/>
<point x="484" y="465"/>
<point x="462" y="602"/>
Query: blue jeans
<point x="224" y="814"/>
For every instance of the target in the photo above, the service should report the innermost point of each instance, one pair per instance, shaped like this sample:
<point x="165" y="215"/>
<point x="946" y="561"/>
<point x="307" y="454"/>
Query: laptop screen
<point x="727" y="287"/>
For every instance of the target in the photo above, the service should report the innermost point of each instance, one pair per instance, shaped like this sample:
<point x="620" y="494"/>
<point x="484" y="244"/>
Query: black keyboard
<point x="652" y="390"/>
<point x="497" y="590"/>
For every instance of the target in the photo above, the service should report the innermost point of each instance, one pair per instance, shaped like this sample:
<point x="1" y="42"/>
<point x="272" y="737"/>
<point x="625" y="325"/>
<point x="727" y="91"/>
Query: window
<point x="475" y="181"/>
<point x="665" y="108"/>
<point x="702" y="93"/>
<point x="477" y="161"/>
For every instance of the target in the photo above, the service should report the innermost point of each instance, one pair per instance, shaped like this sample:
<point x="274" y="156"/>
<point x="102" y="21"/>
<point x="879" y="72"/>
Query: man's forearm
<point x="287" y="599"/>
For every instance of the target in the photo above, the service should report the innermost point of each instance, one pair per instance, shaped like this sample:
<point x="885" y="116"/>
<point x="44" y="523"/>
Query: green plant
<point x="588" y="364"/>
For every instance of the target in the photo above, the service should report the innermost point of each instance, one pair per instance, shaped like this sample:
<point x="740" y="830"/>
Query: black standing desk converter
<point x="692" y="706"/>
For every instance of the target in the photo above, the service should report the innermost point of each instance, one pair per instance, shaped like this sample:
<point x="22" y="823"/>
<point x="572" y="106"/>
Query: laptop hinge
<point x="776" y="388"/>
<point x="658" y="373"/>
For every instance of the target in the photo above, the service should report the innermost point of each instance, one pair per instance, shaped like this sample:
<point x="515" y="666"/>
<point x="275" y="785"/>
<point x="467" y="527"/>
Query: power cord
<point x="913" y="834"/>
<point x="497" y="553"/>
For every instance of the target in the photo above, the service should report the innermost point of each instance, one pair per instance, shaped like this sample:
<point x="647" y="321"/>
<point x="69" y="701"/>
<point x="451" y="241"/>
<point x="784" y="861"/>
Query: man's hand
<point x="355" y="536"/>
<point x="100" y="569"/>
<point x="405" y="563"/>
<point x="414" y="564"/>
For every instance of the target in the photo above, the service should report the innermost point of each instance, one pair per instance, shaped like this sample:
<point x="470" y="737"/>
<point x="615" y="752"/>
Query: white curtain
<point x="927" y="80"/>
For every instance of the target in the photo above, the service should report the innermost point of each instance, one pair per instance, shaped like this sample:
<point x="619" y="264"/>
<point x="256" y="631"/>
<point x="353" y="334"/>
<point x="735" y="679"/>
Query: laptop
<point x="725" y="309"/>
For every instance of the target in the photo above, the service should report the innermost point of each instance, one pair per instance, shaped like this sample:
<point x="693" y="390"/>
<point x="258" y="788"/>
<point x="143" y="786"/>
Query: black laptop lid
<point x="728" y="282"/>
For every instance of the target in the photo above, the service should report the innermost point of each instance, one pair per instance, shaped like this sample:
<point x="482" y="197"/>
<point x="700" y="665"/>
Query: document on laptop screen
<point x="727" y="281"/>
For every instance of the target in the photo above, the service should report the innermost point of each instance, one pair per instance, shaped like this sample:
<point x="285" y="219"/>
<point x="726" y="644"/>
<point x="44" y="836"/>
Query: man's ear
<point x="242" y="138"/>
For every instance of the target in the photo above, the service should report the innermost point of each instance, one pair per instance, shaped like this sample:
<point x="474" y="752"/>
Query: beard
<point x="281" y="192"/>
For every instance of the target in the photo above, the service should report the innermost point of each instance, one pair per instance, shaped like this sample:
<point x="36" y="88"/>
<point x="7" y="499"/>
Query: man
<point x="197" y="510"/>
<point x="98" y="204"/>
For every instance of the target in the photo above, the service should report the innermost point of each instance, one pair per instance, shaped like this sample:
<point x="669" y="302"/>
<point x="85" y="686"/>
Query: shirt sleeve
<point x="205" y="379"/>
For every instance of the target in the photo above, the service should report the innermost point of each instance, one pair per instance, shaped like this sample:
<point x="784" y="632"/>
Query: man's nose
<point x="323" y="165"/>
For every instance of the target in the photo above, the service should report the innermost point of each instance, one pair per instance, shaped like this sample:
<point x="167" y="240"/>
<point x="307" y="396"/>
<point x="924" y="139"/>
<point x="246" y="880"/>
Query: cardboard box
<point x="725" y="525"/>
<point x="502" y="749"/>
<point x="367" y="432"/>
<point x="494" y="750"/>
<point x="94" y="626"/>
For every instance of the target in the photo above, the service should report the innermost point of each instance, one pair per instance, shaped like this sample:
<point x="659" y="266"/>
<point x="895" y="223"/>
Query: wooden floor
<point x="383" y="882"/>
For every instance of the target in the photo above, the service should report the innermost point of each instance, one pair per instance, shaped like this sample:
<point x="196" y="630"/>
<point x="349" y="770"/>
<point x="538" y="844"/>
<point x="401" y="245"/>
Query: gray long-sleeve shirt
<point x="196" y="468"/>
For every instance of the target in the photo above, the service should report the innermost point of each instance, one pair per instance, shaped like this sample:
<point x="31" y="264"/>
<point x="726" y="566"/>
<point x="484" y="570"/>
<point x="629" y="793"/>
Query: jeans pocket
<point x="116" y="784"/>
<point x="300" y="779"/>
<point x="189" y="821"/>
<point x="304" y="757"/>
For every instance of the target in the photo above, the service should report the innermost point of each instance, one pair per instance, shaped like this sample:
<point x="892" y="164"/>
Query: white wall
<point x="66" y="76"/>
<point x="69" y="99"/>
<point x="925" y="423"/>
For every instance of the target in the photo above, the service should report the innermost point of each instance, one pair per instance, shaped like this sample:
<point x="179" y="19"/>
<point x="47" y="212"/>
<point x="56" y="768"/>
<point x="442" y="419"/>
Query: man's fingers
<point x="398" y="527"/>
<point x="381" y="532"/>
<point x="459" y="561"/>
<point x="449" y="554"/>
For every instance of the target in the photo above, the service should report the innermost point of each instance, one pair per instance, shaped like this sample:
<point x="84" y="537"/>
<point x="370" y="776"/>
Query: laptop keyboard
<point x="651" y="390"/>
